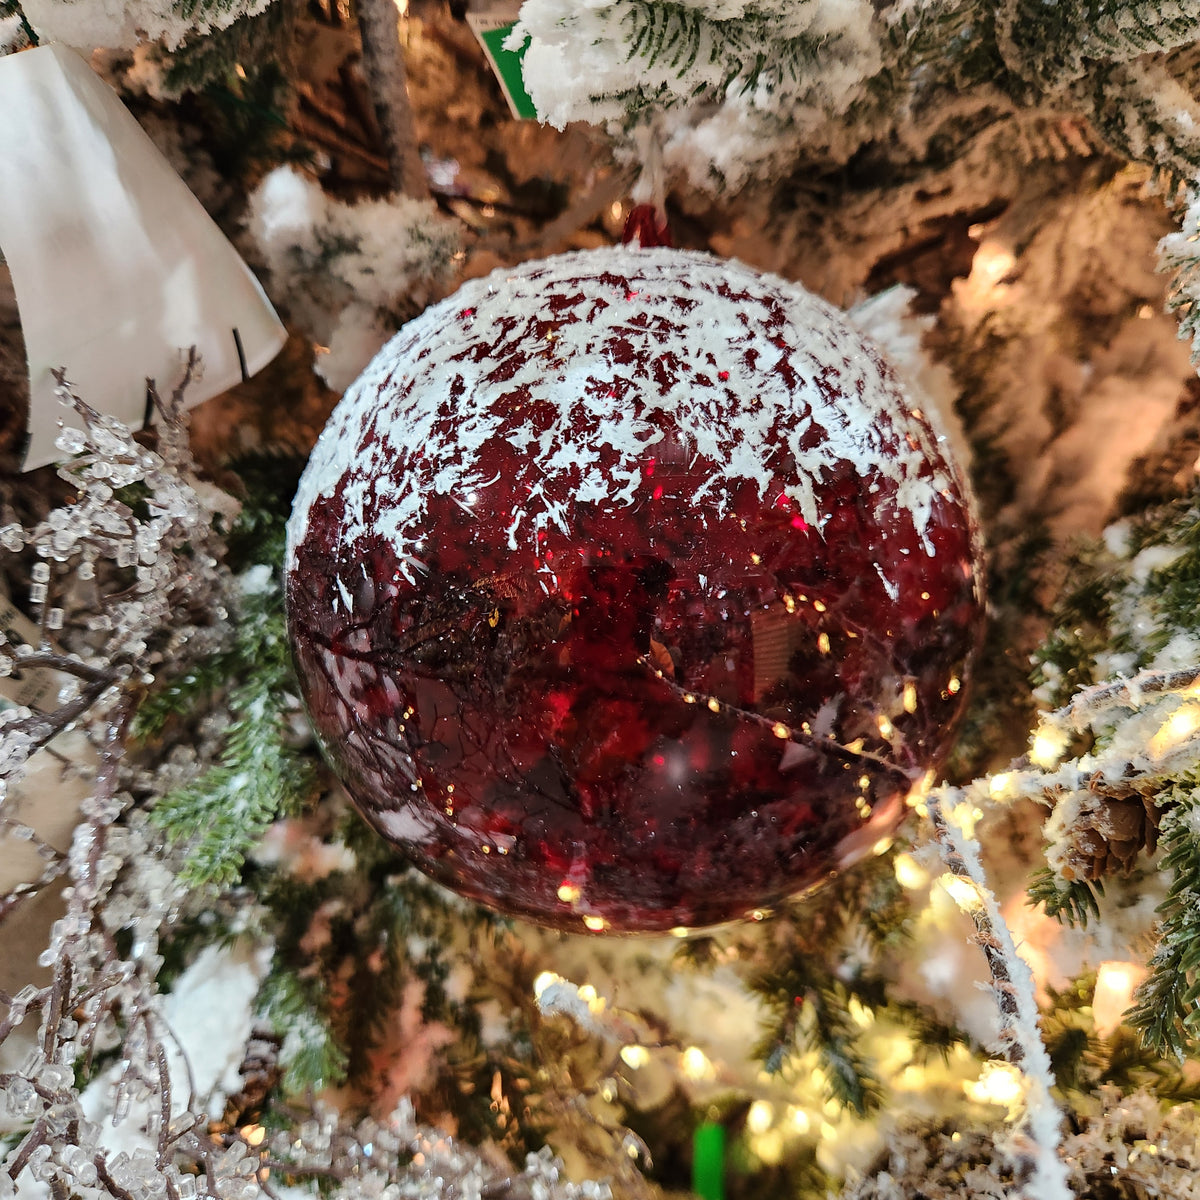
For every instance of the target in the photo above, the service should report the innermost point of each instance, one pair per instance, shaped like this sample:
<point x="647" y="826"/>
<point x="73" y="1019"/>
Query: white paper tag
<point x="117" y="268"/>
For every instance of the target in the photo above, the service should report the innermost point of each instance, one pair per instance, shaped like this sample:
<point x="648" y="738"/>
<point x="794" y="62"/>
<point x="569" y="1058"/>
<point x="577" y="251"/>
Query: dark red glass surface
<point x="666" y="716"/>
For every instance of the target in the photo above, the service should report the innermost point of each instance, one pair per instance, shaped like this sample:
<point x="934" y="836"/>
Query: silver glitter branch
<point x="122" y="582"/>
<point x="125" y="583"/>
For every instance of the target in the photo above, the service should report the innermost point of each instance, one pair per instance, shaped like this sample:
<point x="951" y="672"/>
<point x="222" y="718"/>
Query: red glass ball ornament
<point x="629" y="590"/>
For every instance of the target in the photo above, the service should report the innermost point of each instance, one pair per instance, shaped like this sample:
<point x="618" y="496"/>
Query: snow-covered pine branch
<point x="1053" y="44"/>
<point x="603" y="63"/>
<point x="123" y="24"/>
<point x="1146" y="114"/>
<point x="348" y="273"/>
<point x="1179" y="253"/>
<point x="1021" y="1042"/>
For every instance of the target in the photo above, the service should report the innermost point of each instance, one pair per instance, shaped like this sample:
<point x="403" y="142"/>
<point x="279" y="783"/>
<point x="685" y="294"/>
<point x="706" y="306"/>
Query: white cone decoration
<point x="117" y="268"/>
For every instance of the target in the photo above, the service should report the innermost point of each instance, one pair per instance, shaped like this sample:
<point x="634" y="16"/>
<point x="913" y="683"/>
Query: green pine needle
<point x="750" y="57"/>
<point x="1166" y="1009"/>
<point x="259" y="776"/>
<point x="808" y="1011"/>
<point x="184" y="693"/>
<point x="224" y="813"/>
<point x="1071" y="902"/>
<point x="310" y="1056"/>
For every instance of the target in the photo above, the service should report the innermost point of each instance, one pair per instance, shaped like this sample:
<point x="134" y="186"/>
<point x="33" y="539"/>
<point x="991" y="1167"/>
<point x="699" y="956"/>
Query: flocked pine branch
<point x="137" y="21"/>
<point x="637" y="54"/>
<point x="1179" y="253"/>
<point x="786" y="80"/>
<point x="1167" y="1003"/>
<point x="310" y="1057"/>
<point x="1146" y="115"/>
<point x="1117" y="761"/>
<point x="1055" y="44"/>
<point x="808" y="1010"/>
<point x="1038" y="1159"/>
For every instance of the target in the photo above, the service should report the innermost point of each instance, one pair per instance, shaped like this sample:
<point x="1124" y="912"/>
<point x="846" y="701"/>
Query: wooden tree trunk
<point x="387" y="81"/>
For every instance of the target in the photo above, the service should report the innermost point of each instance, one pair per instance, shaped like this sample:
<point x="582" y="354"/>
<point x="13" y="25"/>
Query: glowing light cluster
<point x="1048" y="747"/>
<point x="1176" y="729"/>
<point x="1115" y="984"/>
<point x="998" y="1083"/>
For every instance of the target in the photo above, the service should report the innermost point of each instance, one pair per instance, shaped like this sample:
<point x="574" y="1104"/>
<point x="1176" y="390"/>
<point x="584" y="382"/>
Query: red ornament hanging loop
<point x="646" y="226"/>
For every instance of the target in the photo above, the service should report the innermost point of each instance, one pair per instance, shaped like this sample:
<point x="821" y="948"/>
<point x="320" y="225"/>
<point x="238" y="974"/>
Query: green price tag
<point x="491" y="33"/>
<point x="708" y="1161"/>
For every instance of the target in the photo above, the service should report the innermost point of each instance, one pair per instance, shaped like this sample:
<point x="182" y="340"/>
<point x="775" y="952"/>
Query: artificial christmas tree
<point x="245" y="990"/>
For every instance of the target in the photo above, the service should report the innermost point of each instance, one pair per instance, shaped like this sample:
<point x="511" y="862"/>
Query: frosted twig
<point x="1088" y="703"/>
<point x="65" y="664"/>
<point x="33" y="1139"/>
<point x="41" y="728"/>
<point x="1012" y="984"/>
<point x="52" y="1015"/>
<point x="109" y="1182"/>
<point x="32" y="1004"/>
<point x="55" y="866"/>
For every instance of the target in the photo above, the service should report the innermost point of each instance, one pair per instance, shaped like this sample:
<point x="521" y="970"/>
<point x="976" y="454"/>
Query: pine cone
<point x="1109" y="833"/>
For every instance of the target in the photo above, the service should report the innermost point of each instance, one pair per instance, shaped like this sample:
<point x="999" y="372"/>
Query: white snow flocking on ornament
<point x="116" y="266"/>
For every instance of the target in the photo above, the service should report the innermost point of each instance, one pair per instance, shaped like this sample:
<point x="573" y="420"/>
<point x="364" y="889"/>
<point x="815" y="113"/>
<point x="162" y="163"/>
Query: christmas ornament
<point x="117" y="268"/>
<point x="629" y="591"/>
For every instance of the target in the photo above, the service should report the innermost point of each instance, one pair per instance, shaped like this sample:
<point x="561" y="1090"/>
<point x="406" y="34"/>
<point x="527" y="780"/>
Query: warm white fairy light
<point x="1048" y="746"/>
<point x="998" y="1083"/>
<point x="1115" y="984"/>
<point x="769" y="1146"/>
<point x="695" y="1064"/>
<point x="544" y="981"/>
<point x="1177" y="728"/>
<point x="635" y="1056"/>
<point x="760" y="1117"/>
<point x="963" y="892"/>
<point x="860" y="1014"/>
<point x="966" y="816"/>
<point x="909" y="873"/>
<point x="799" y="1120"/>
<point x="894" y="1052"/>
